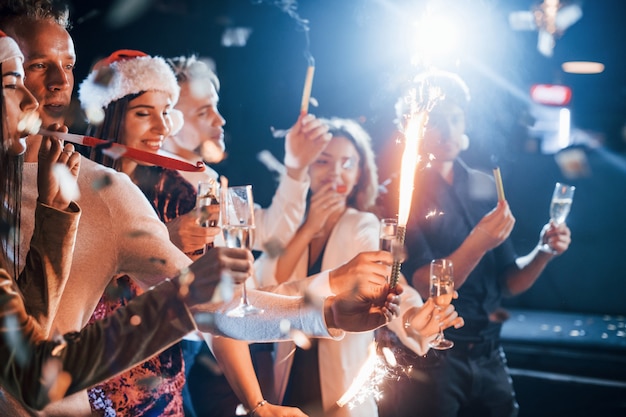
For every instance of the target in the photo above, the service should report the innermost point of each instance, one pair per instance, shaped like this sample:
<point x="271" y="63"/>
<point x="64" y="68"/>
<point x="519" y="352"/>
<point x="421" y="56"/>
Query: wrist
<point x="255" y="410"/>
<point x="298" y="174"/>
<point x="329" y="317"/>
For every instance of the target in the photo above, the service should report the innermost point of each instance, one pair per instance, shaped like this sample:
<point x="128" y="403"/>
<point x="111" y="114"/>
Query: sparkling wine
<point x="442" y="291"/>
<point x="386" y="243"/>
<point x="559" y="209"/>
<point x="208" y="211"/>
<point x="238" y="236"/>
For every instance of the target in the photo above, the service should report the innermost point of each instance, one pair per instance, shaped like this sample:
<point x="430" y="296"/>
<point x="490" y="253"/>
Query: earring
<point x="465" y="142"/>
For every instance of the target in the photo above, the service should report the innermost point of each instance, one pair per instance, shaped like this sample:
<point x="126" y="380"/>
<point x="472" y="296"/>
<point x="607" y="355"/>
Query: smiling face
<point x="338" y="164"/>
<point x="203" y="131"/>
<point x="147" y="121"/>
<point x="443" y="137"/>
<point x="49" y="60"/>
<point x="17" y="102"/>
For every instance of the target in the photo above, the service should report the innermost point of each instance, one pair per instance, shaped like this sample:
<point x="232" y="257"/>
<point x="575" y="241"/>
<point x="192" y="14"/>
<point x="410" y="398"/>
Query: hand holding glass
<point x="237" y="206"/>
<point x="441" y="291"/>
<point x="208" y="206"/>
<point x="561" y="203"/>
<point x="387" y="235"/>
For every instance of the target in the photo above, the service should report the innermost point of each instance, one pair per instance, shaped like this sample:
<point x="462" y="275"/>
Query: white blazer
<point x="339" y="360"/>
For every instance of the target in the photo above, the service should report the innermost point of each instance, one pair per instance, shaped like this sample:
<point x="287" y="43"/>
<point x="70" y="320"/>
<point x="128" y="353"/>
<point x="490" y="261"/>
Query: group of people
<point x="121" y="270"/>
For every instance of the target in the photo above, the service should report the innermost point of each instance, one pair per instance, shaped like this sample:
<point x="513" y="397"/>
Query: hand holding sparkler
<point x="303" y="144"/>
<point x="493" y="228"/>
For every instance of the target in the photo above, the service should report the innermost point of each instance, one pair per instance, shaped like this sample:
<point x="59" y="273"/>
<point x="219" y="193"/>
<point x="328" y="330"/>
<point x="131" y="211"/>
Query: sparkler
<point x="306" y="93"/>
<point x="499" y="185"/>
<point x="367" y="382"/>
<point x="414" y="135"/>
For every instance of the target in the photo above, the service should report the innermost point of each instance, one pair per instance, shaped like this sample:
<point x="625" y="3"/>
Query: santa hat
<point x="126" y="72"/>
<point x="9" y="48"/>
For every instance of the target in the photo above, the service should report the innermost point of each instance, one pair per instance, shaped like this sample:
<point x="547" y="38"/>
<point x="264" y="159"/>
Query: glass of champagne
<point x="387" y="235"/>
<point x="208" y="206"/>
<point x="237" y="206"/>
<point x="388" y="230"/>
<point x="441" y="291"/>
<point x="561" y="203"/>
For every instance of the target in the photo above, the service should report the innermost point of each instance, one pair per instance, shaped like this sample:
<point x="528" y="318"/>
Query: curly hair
<point x="12" y="12"/>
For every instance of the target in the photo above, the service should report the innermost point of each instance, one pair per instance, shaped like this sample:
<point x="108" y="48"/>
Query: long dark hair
<point x="10" y="192"/>
<point x="110" y="129"/>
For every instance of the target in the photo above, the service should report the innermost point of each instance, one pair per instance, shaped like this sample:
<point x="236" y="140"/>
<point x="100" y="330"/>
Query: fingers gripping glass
<point x="441" y="290"/>
<point x="561" y="203"/>
<point x="237" y="207"/>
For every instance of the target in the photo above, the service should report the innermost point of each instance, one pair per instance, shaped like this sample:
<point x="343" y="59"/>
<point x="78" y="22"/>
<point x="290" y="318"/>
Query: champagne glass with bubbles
<point x="387" y="235"/>
<point x="561" y="203"/>
<point x="441" y="291"/>
<point x="238" y="227"/>
<point x="208" y="206"/>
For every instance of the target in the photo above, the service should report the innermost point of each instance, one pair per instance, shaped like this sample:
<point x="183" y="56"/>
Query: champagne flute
<point x="441" y="291"/>
<point x="561" y="203"/>
<point x="208" y="206"/>
<point x="387" y="235"/>
<point x="388" y="230"/>
<point x="237" y="207"/>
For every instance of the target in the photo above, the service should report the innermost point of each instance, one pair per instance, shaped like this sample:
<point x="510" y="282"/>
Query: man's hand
<point x="366" y="267"/>
<point x="53" y="191"/>
<point x="424" y="321"/>
<point x="494" y="227"/>
<point x="303" y="144"/>
<point x="272" y="410"/>
<point x="199" y="282"/>
<point x="557" y="237"/>
<point x="188" y="235"/>
<point x="367" y="306"/>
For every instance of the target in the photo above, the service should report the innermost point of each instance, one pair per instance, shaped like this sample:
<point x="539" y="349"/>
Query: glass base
<point x="243" y="310"/>
<point x="547" y="249"/>
<point x="441" y="344"/>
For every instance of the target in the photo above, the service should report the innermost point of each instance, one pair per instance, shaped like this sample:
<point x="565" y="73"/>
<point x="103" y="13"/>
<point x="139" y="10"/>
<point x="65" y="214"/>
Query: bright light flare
<point x="435" y="37"/>
<point x="367" y="382"/>
<point x="564" y="128"/>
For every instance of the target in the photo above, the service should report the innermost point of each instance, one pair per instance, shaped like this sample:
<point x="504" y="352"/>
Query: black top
<point x="441" y="218"/>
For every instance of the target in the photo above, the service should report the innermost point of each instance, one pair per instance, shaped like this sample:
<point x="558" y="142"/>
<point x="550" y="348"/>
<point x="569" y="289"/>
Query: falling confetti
<point x="29" y="123"/>
<point x="101" y="182"/>
<point x="67" y="182"/>
<point x="270" y="162"/>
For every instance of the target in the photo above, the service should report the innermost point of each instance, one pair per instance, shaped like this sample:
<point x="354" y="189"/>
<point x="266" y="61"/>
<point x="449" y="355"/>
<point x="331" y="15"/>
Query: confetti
<point x="68" y="188"/>
<point x="101" y="182"/>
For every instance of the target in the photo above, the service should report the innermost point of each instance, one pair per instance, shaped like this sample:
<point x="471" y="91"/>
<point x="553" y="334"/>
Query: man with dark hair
<point x="453" y="216"/>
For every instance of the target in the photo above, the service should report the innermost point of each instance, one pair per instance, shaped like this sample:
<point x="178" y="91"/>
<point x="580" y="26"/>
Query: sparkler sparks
<point x="368" y="382"/>
<point x="421" y="101"/>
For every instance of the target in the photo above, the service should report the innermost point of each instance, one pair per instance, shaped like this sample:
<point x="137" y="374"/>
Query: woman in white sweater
<point x="337" y="227"/>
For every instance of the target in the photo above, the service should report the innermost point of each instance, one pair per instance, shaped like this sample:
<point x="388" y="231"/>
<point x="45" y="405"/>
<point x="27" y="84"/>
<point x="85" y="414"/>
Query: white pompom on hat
<point x="9" y="48"/>
<point x="126" y="72"/>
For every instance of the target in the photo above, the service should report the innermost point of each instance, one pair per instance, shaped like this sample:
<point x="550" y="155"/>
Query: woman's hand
<point x="422" y="323"/>
<point x="188" y="235"/>
<point x="57" y="183"/>
<point x="324" y="204"/>
<point x="272" y="410"/>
